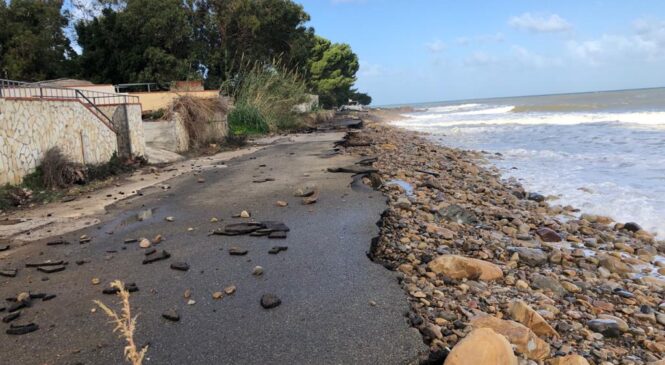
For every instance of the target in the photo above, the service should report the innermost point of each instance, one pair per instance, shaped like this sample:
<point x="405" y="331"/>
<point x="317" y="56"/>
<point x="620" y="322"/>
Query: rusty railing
<point x="92" y="100"/>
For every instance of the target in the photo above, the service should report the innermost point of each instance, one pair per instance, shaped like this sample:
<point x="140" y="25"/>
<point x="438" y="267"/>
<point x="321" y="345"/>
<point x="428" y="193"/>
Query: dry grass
<point x="58" y="171"/>
<point x="125" y="324"/>
<point x="197" y="114"/>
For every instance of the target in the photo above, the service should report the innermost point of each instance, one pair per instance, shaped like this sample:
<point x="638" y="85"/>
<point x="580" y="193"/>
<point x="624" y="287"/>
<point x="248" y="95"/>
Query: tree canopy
<point x="332" y="71"/>
<point x="147" y="41"/>
<point x="124" y="41"/>
<point x="33" y="45"/>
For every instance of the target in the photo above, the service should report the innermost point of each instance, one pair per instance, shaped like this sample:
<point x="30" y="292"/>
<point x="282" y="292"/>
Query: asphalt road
<point x="327" y="285"/>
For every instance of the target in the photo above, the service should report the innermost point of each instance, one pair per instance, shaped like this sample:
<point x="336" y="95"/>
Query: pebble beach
<point x="476" y="252"/>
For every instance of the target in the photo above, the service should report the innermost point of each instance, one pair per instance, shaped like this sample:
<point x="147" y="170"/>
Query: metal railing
<point x="90" y="99"/>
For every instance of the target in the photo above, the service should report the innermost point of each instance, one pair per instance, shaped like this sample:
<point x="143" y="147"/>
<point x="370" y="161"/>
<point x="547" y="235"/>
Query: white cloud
<point x="435" y="46"/>
<point x="483" y="38"/>
<point x="480" y="58"/>
<point x="646" y="43"/>
<point x="528" y="58"/>
<point x="540" y="23"/>
<point x="368" y="69"/>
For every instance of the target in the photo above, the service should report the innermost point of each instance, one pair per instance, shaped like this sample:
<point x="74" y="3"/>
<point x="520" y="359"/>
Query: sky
<point x="434" y="50"/>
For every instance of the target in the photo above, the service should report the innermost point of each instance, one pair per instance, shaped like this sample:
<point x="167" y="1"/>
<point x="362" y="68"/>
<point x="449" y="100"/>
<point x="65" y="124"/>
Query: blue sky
<point x="433" y="50"/>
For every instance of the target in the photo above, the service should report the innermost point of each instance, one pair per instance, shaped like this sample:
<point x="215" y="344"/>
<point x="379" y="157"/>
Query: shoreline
<point x="386" y="116"/>
<point x="573" y="274"/>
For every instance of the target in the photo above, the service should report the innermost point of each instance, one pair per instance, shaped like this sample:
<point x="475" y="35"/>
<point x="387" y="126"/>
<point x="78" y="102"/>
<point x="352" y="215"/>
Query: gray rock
<point x="530" y="256"/>
<point x="536" y="197"/>
<point x="608" y="327"/>
<point x="269" y="301"/>
<point x="547" y="283"/>
<point x="455" y="213"/>
<point x="632" y="226"/>
<point x="171" y="315"/>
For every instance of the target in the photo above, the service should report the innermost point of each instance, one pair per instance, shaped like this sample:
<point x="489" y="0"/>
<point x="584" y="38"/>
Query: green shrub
<point x="246" y="120"/>
<point x="34" y="180"/>
<point x="273" y="90"/>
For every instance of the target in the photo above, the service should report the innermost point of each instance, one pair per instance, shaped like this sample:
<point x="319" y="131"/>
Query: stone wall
<point x="170" y="135"/>
<point x="128" y="124"/>
<point x="28" y="128"/>
<point x="136" y="133"/>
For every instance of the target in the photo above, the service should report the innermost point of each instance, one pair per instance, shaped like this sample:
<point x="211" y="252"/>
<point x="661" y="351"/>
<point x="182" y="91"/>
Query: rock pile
<point x="484" y="262"/>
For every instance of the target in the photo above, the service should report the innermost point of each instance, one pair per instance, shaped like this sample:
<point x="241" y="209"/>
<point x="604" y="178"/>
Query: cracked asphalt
<point x="337" y="307"/>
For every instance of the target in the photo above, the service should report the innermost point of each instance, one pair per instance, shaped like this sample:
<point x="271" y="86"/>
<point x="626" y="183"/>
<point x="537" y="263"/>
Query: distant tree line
<point x="160" y="41"/>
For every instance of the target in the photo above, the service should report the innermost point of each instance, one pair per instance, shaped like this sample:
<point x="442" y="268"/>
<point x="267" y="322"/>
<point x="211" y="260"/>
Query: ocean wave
<point x="451" y="108"/>
<point x="655" y="119"/>
<point x="554" y="108"/>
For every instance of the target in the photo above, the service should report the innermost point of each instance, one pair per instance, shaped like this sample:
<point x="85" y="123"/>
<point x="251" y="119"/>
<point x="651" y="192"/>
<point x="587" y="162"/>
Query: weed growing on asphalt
<point x="125" y="324"/>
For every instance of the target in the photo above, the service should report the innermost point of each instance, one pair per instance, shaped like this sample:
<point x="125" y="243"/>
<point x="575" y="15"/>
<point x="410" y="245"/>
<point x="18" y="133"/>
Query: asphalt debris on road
<point x="180" y="266"/>
<point x="171" y="315"/>
<point x="277" y="249"/>
<point x="163" y="255"/>
<point x="269" y="301"/>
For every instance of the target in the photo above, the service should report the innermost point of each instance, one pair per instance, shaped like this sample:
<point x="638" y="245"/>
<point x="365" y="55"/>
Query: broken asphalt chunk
<point x="51" y="269"/>
<point x="10" y="273"/>
<point x="22" y="329"/>
<point x="239" y="229"/>
<point x="277" y="249"/>
<point x="10" y="317"/>
<point x="17" y="306"/>
<point x="156" y="257"/>
<point x="130" y="287"/>
<point x="367" y="161"/>
<point x="275" y="226"/>
<point x="181" y="266"/>
<point x="47" y="263"/>
<point x="353" y="169"/>
<point x="277" y="235"/>
<point x="48" y="297"/>
<point x="57" y="243"/>
<point x="429" y="172"/>
<point x="237" y="251"/>
<point x="260" y="232"/>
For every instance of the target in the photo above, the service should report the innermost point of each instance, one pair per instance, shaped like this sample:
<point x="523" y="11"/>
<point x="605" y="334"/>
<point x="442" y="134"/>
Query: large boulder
<point x="525" y="341"/>
<point x="522" y="313"/>
<point x="482" y="346"/>
<point x="568" y="360"/>
<point x="460" y="267"/>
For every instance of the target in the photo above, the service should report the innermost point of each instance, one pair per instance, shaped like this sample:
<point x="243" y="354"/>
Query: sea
<point x="601" y="152"/>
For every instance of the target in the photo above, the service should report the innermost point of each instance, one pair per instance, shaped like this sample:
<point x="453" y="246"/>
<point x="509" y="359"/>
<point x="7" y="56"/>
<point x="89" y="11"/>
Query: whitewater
<point x="603" y="153"/>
